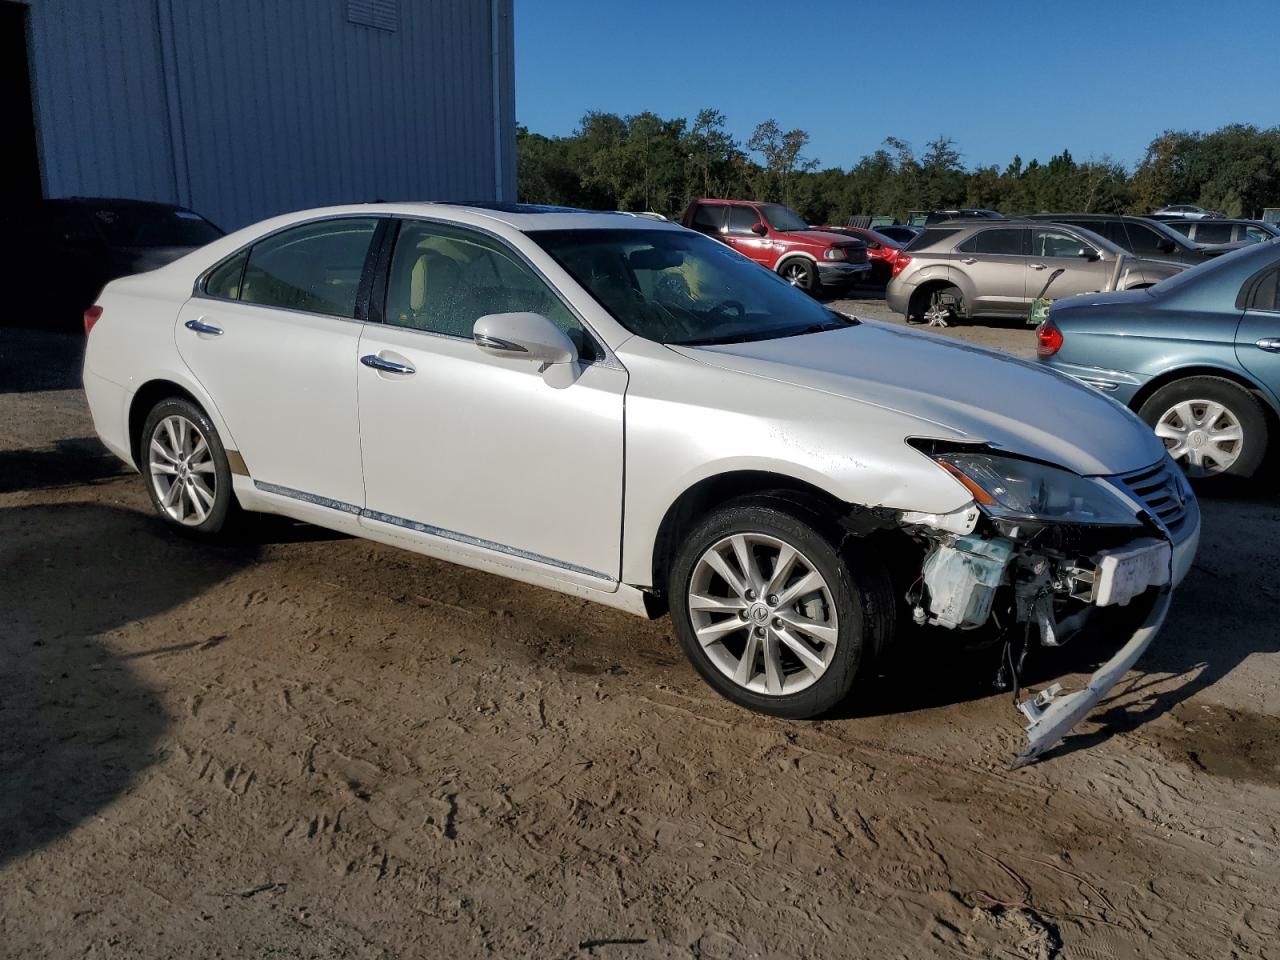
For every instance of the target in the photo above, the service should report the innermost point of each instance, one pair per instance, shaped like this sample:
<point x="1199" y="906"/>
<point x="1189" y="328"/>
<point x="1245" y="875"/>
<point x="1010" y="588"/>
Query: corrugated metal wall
<point x="246" y="108"/>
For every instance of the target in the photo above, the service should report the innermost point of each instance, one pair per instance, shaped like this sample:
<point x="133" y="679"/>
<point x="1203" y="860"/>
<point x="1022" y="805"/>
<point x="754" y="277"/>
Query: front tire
<point x="800" y="273"/>
<point x="186" y="470"/>
<point x="771" y="615"/>
<point x="1213" y="427"/>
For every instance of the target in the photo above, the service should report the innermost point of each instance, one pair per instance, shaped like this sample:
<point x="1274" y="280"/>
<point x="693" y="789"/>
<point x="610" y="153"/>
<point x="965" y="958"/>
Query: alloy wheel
<point x="182" y="471"/>
<point x="1203" y="434"/>
<point x="940" y="312"/>
<point x="763" y="614"/>
<point x="796" y="274"/>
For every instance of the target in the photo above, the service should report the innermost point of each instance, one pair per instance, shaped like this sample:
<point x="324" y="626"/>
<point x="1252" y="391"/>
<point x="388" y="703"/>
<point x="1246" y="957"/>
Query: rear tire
<point x="1213" y="427"/>
<point x="945" y="307"/>
<point x="186" y="470"/>
<point x="787" y="638"/>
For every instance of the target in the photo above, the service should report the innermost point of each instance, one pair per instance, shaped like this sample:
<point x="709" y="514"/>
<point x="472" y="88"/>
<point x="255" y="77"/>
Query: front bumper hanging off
<point x="1052" y="713"/>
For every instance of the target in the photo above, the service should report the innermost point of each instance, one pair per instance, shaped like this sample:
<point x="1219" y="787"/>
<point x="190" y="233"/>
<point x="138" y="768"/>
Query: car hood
<point x="820" y="237"/>
<point x="956" y="391"/>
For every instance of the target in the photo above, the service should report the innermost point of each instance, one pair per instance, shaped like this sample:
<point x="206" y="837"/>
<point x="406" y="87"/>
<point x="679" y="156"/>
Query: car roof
<point x="525" y="217"/>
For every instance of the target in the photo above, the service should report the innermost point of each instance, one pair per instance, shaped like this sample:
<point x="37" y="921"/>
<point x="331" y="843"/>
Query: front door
<point x="740" y="233"/>
<point x="273" y="339"/>
<point x="1082" y="266"/>
<point x="479" y="450"/>
<point x="1258" y="336"/>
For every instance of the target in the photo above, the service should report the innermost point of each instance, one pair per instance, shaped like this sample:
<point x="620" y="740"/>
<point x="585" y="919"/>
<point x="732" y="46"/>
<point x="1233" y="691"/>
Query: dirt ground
<point x="305" y="745"/>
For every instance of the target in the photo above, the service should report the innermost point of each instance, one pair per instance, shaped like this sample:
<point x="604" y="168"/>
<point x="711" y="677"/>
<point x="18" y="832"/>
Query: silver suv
<point x="959" y="269"/>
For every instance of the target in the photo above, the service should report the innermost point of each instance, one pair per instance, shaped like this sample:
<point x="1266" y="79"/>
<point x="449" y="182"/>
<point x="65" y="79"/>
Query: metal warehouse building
<point x="241" y="109"/>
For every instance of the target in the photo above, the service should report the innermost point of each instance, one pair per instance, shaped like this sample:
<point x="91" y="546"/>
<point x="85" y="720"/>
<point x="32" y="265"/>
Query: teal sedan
<point x="1197" y="356"/>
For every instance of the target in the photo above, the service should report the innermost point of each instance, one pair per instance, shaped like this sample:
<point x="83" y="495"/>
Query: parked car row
<point x="961" y="269"/>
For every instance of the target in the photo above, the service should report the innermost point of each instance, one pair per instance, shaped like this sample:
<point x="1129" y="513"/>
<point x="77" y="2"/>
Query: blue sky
<point x="998" y="77"/>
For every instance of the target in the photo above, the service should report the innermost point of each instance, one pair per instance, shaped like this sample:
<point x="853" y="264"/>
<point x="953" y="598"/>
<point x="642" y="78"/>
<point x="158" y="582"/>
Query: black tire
<point x="224" y="512"/>
<point x="799" y="272"/>
<point x="857" y="583"/>
<point x="1238" y="403"/>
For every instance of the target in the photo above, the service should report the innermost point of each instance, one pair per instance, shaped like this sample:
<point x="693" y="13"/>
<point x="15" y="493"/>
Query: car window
<point x="315" y="267"/>
<point x="1057" y="243"/>
<point x="1007" y="241"/>
<point x="930" y="237"/>
<point x="670" y="286"/>
<point x="742" y="219"/>
<point x="1145" y="241"/>
<point x="1265" y="293"/>
<point x="147" y="226"/>
<point x="708" y="217"/>
<point x="782" y="218"/>
<point x="223" y="281"/>
<point x="1209" y="232"/>
<point x="1257" y="235"/>
<point x="1182" y="228"/>
<point x="443" y="279"/>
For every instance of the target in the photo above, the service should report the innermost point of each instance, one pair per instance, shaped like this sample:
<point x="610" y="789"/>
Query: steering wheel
<point x="724" y="307"/>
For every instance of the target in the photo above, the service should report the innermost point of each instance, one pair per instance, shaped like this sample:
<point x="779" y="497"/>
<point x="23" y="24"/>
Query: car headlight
<point x="834" y="253"/>
<point x="1014" y="489"/>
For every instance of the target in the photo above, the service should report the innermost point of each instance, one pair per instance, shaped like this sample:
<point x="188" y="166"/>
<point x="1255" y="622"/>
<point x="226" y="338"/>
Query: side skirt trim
<point x="428" y="529"/>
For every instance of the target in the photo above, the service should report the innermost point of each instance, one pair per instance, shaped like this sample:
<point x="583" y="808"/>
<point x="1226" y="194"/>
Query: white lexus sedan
<point x="628" y="411"/>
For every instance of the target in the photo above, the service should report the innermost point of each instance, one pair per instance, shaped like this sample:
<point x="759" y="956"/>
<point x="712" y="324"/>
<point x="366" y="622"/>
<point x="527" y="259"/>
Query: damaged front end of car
<point x="1039" y="552"/>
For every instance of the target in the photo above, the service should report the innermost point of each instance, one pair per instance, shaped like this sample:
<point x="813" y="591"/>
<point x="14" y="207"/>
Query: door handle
<point x="1269" y="344"/>
<point x="387" y="366"/>
<point x="1039" y="266"/>
<point x="969" y="260"/>
<point x="199" y="326"/>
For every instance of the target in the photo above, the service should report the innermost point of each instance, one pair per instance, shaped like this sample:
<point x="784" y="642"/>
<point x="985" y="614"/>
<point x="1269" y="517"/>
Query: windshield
<point x="679" y="287"/>
<point x="153" y="227"/>
<point x="782" y="218"/>
<point x="1243" y="263"/>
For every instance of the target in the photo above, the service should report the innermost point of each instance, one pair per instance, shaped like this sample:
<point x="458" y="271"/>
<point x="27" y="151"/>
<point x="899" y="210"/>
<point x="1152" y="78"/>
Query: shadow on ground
<point x="72" y="461"/>
<point x="79" y="726"/>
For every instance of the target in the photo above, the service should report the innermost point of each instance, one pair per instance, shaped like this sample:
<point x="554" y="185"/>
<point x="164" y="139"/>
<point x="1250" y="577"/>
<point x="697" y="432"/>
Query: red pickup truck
<point x="773" y="236"/>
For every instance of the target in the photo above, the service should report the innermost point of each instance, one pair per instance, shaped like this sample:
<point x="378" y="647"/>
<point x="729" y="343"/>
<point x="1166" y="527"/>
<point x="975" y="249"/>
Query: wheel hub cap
<point x="763" y="614"/>
<point x="1204" y="435"/>
<point x="182" y="471"/>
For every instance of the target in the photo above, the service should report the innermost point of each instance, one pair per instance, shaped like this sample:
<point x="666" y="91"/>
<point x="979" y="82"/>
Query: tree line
<point x="645" y="162"/>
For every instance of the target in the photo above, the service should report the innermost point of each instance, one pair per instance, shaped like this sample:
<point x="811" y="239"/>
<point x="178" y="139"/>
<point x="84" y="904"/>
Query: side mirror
<point x="759" y="229"/>
<point x="1165" y="245"/>
<point x="1088" y="253"/>
<point x="523" y="336"/>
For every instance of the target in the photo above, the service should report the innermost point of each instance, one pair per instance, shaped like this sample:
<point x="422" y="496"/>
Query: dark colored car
<point x="774" y="237"/>
<point x="901" y="233"/>
<point x="1197" y="356"/>
<point x="59" y="253"/>
<point x="1210" y="232"/>
<point x="882" y="250"/>
<point x="1140" y="236"/>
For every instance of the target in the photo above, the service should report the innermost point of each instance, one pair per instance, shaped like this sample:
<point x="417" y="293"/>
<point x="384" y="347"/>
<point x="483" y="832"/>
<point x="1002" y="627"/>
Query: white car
<point x="1186" y="211"/>
<point x="630" y="412"/>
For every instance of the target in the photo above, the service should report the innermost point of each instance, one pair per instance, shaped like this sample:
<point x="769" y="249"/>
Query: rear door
<point x="1258" y="336"/>
<point x="1082" y="266"/>
<point x="273" y="339"/>
<point x="995" y="261"/>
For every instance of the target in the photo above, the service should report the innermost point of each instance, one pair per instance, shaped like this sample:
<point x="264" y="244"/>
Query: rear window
<point x="931" y="237"/>
<point x="1006" y="240"/>
<point x="1214" y="232"/>
<point x="153" y="227"/>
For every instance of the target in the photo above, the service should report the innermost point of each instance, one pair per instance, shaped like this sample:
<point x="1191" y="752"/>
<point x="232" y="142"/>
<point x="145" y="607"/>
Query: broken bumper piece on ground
<point x="1052" y="714"/>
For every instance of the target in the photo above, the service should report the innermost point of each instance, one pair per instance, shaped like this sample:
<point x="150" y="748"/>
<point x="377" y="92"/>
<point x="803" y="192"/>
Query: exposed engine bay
<point x="1028" y="584"/>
